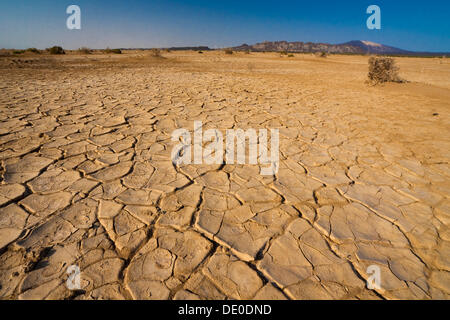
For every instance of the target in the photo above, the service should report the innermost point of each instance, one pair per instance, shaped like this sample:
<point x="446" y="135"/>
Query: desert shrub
<point x="247" y="51"/>
<point x="321" y="54"/>
<point x="228" y="51"/>
<point x="33" y="50"/>
<point x="56" y="50"/>
<point x="383" y="69"/>
<point x="5" y="53"/>
<point x="85" y="50"/>
<point x="284" y="53"/>
<point x="290" y="55"/>
<point x="200" y="51"/>
<point x="18" y="51"/>
<point x="156" y="53"/>
<point x="115" y="51"/>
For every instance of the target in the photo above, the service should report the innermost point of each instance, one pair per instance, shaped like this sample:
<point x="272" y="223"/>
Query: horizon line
<point x="226" y="47"/>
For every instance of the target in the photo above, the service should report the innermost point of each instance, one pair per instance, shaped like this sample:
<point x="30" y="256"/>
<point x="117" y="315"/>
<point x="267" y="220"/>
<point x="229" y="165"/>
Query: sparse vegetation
<point x="283" y="53"/>
<point x="4" y="53"/>
<point x="115" y="51"/>
<point x="200" y="51"/>
<point x="247" y="51"/>
<point x="321" y="54"/>
<point x="383" y="69"/>
<point x="228" y="51"/>
<point x="84" y="50"/>
<point x="29" y="50"/>
<point x="56" y="50"/>
<point x="290" y="55"/>
<point x="33" y="50"/>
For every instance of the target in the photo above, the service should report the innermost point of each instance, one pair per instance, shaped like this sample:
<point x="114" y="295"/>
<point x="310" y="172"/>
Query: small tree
<point x="383" y="69"/>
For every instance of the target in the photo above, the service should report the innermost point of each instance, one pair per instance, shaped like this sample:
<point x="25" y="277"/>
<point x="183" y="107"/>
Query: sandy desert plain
<point x="87" y="178"/>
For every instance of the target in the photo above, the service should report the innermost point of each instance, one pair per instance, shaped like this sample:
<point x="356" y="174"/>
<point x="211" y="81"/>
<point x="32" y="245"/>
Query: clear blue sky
<point x="412" y="25"/>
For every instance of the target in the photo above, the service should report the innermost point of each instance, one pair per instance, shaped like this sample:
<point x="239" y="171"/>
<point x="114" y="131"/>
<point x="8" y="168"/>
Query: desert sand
<point x="87" y="178"/>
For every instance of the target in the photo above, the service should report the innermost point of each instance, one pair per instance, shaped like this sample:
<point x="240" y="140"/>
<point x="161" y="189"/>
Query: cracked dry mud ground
<point x="87" y="179"/>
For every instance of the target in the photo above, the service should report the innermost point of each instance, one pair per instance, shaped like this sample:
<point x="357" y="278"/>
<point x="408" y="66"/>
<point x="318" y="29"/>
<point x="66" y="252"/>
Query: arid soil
<point x="87" y="178"/>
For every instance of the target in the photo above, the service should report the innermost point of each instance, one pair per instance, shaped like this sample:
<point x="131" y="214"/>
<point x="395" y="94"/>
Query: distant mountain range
<point x="201" y="48"/>
<point x="351" y="47"/>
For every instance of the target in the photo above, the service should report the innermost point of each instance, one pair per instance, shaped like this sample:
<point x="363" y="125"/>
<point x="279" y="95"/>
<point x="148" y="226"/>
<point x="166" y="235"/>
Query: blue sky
<point x="412" y="25"/>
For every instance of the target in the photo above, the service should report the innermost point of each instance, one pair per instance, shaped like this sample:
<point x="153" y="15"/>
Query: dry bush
<point x="321" y="54"/>
<point x="56" y="50"/>
<point x="247" y="51"/>
<point x="84" y="50"/>
<point x="115" y="51"/>
<point x="5" y="53"/>
<point x="290" y="55"/>
<point x="383" y="69"/>
<point x="33" y="50"/>
<point x="283" y="53"/>
<point x="200" y="51"/>
<point x="228" y="51"/>
<point x="156" y="53"/>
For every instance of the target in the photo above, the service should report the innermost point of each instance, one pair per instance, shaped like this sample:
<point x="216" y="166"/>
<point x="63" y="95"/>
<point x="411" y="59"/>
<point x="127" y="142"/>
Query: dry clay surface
<point x="87" y="178"/>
